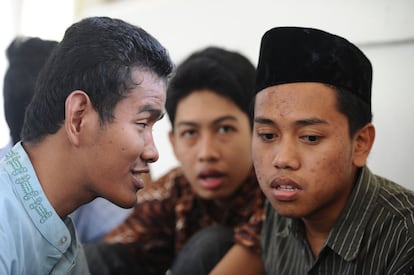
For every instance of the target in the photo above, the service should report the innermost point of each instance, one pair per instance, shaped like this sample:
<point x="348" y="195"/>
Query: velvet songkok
<point x="296" y="54"/>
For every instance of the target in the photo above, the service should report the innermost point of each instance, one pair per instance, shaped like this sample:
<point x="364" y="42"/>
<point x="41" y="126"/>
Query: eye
<point x="225" y="129"/>
<point x="188" y="133"/>
<point x="311" y="139"/>
<point x="142" y="125"/>
<point x="267" y="137"/>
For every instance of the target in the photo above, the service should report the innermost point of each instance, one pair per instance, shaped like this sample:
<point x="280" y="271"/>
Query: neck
<point x="317" y="233"/>
<point x="58" y="175"/>
<point x="319" y="224"/>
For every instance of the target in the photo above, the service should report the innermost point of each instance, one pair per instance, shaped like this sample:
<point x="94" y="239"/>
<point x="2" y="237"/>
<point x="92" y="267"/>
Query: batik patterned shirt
<point x="169" y="212"/>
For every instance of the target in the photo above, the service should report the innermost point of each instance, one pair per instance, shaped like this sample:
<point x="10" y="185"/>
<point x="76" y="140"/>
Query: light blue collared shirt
<point x="33" y="238"/>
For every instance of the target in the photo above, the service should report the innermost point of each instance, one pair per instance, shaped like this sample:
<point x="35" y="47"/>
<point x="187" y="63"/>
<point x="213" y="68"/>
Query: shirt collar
<point x="32" y="197"/>
<point x="346" y="236"/>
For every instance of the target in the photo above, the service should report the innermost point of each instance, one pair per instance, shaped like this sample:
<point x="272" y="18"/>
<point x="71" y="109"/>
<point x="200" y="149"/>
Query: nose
<point x="207" y="149"/>
<point x="286" y="155"/>
<point x="150" y="153"/>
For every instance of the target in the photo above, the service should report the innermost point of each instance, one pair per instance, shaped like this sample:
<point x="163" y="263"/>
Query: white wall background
<point x="383" y="29"/>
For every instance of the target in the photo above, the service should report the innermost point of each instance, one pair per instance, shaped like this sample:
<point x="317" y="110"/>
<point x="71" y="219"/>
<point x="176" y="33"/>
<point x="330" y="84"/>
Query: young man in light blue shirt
<point x="87" y="134"/>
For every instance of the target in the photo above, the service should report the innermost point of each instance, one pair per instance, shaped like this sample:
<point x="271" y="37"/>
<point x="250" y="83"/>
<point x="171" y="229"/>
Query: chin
<point x="287" y="211"/>
<point x="126" y="203"/>
<point x="208" y="195"/>
<point x="130" y="204"/>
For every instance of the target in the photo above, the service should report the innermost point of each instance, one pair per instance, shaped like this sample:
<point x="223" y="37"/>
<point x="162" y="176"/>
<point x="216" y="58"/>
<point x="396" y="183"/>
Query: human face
<point x="119" y="151"/>
<point x="302" y="152"/>
<point x="212" y="141"/>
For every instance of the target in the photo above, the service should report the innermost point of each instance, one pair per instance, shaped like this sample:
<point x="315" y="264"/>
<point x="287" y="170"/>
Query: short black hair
<point x="227" y="73"/>
<point x="357" y="111"/>
<point x="97" y="55"/>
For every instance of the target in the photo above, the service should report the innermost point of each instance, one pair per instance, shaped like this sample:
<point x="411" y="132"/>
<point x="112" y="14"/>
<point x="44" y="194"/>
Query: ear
<point x="76" y="107"/>
<point x="363" y="141"/>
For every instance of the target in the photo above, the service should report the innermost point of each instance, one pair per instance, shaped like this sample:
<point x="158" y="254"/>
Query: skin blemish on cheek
<point x="315" y="168"/>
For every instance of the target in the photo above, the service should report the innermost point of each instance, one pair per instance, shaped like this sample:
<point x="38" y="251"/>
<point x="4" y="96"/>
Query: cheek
<point x="331" y="168"/>
<point x="341" y="159"/>
<point x="324" y="165"/>
<point x="240" y="151"/>
<point x="258" y="167"/>
<point x="257" y="163"/>
<point x="262" y="154"/>
<point x="258" y="160"/>
<point x="322" y="174"/>
<point x="184" y="153"/>
<point x="256" y="152"/>
<point x="130" y="143"/>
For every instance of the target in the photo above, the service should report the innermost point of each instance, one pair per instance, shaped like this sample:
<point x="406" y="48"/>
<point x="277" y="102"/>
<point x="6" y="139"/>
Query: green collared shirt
<point x="373" y="235"/>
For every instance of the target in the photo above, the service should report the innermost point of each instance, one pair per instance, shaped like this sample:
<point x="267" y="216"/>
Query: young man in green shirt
<point x="327" y="213"/>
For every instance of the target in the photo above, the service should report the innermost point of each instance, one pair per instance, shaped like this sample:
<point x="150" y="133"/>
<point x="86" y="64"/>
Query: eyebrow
<point x="310" y="121"/>
<point x="155" y="114"/>
<point x="216" y="121"/>
<point x="223" y="118"/>
<point x="262" y="120"/>
<point x="300" y="122"/>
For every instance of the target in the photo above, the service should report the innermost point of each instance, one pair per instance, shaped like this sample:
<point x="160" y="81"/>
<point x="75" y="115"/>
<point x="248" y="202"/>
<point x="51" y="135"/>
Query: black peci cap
<point x="296" y="54"/>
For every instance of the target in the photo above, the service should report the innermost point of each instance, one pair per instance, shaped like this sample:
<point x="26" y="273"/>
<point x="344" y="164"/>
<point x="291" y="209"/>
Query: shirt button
<point x="63" y="240"/>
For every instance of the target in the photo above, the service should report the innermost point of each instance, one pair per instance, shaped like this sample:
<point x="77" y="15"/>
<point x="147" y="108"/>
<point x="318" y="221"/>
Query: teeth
<point x="286" y="188"/>
<point x="210" y="178"/>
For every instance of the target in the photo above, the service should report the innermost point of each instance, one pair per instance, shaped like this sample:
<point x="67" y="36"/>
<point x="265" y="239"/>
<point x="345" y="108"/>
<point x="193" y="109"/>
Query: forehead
<point x="295" y="99"/>
<point x="148" y="93"/>
<point x="204" y="105"/>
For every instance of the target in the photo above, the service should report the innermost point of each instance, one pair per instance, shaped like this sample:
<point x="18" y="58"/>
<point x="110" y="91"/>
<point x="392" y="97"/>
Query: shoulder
<point x="397" y="199"/>
<point x="15" y="228"/>
<point x="395" y="206"/>
<point x="11" y="208"/>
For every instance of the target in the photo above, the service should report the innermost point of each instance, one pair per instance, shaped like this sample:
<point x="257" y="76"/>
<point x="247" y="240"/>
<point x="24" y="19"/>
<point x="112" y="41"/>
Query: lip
<point x="138" y="182"/>
<point x="285" y="189"/>
<point x="137" y="179"/>
<point x="211" y="179"/>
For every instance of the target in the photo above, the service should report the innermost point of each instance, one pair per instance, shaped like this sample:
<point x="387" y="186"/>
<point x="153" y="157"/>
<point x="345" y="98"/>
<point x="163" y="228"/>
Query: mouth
<point x="285" y="189"/>
<point x="211" y="179"/>
<point x="137" y="178"/>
